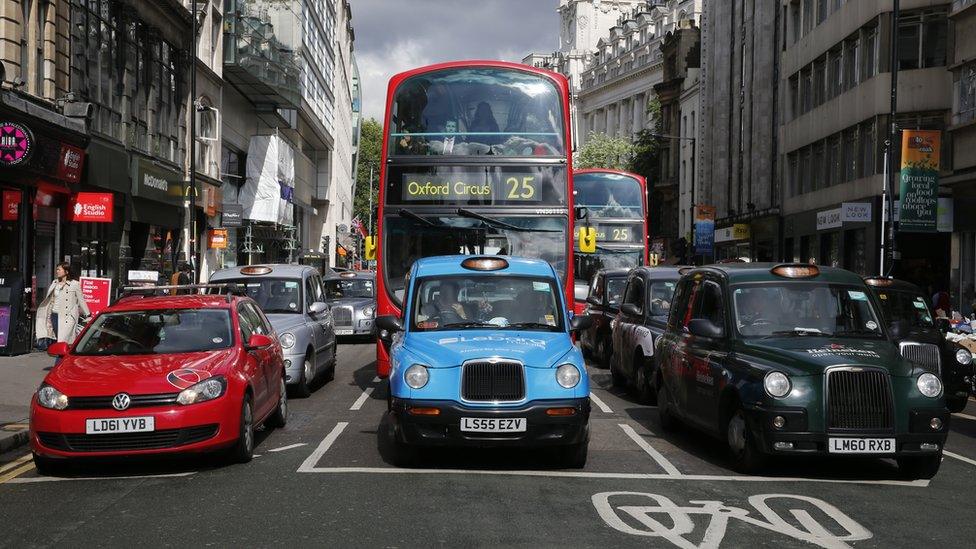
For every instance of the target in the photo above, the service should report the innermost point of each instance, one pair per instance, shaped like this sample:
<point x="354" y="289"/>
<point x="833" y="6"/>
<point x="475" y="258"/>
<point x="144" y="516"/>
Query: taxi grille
<point x="859" y="399"/>
<point x="342" y="316"/>
<point x="105" y="402"/>
<point x="155" y="440"/>
<point x="492" y="381"/>
<point x="923" y="354"/>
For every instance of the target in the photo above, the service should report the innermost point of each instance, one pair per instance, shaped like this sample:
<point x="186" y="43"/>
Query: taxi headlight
<point x="777" y="384"/>
<point x="929" y="385"/>
<point x="49" y="397"/>
<point x="287" y="340"/>
<point x="964" y="357"/>
<point x="207" y="389"/>
<point x="416" y="376"/>
<point x="368" y="312"/>
<point x="567" y="376"/>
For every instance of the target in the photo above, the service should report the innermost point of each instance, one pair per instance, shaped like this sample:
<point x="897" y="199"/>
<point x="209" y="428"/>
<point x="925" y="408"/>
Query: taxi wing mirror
<point x="630" y="309"/>
<point x="702" y="327"/>
<point x="58" y="349"/>
<point x="389" y="323"/>
<point x="258" y="341"/>
<point x="594" y="300"/>
<point x="317" y="308"/>
<point x="580" y="322"/>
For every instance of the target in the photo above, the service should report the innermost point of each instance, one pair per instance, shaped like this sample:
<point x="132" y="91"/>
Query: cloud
<point x="376" y="68"/>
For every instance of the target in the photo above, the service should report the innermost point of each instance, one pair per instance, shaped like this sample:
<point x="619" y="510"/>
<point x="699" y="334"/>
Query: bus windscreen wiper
<point x="407" y="214"/>
<point x="499" y="224"/>
<point x="618" y="250"/>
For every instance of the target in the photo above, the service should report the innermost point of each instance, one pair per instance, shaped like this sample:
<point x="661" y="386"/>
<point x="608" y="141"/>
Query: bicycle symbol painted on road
<point x="615" y="507"/>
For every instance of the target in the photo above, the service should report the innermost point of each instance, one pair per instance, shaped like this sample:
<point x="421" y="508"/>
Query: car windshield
<point x="157" y="332"/>
<point x="910" y="306"/>
<point x="660" y="295"/>
<point x="804" y="308"/>
<point x="486" y="301"/>
<point x="615" y="289"/>
<point x="346" y="288"/>
<point x="274" y="295"/>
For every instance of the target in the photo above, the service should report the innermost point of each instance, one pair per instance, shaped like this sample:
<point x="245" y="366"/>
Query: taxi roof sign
<point x="795" y="270"/>
<point x="879" y="281"/>
<point x="347" y="274"/>
<point x="484" y="264"/>
<point x="256" y="270"/>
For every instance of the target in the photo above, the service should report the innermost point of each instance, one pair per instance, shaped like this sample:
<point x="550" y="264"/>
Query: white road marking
<point x="363" y="397"/>
<point x="14" y="463"/>
<point x="965" y="416"/>
<point x="646" y="446"/>
<point x="625" y="476"/>
<point x="960" y="458"/>
<point x="308" y="465"/>
<point x="600" y="404"/>
<point x="289" y="447"/>
<point x="31" y="480"/>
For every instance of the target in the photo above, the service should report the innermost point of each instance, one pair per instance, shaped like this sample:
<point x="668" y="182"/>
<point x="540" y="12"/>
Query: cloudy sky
<point x="395" y="35"/>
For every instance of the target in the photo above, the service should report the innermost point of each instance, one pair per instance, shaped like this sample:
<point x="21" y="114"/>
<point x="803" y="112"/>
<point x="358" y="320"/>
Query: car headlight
<point x="287" y="340"/>
<point x="567" y="376"/>
<point x="416" y="376"/>
<point x="207" y="389"/>
<point x="368" y="312"/>
<point x="929" y="385"/>
<point x="964" y="357"/>
<point x="777" y="384"/>
<point x="49" y="397"/>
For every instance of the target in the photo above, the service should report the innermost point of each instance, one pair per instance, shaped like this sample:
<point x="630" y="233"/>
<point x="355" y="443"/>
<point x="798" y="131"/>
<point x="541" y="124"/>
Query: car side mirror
<point x="899" y="329"/>
<point x="58" y="349"/>
<point x="258" y="341"/>
<point x="594" y="300"/>
<point x="389" y="323"/>
<point x="702" y="327"/>
<point x="317" y="308"/>
<point x="943" y="325"/>
<point x="580" y="322"/>
<point x="630" y="309"/>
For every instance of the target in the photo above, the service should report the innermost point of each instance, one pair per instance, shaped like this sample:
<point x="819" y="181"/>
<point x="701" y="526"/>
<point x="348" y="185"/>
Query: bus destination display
<point x="479" y="186"/>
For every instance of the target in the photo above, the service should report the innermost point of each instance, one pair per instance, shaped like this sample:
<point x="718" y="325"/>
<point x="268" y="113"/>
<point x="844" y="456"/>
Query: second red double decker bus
<point x="476" y="160"/>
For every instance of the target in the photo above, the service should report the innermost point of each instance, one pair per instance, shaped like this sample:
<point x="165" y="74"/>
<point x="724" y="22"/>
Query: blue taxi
<point x="483" y="357"/>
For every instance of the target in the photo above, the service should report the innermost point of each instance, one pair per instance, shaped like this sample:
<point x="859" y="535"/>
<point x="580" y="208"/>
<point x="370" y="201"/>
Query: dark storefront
<point x="156" y="215"/>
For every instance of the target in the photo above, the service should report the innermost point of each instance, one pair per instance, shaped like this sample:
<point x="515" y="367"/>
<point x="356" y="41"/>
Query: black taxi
<point x="920" y="339"/>
<point x="794" y="359"/>
<point x="602" y="303"/>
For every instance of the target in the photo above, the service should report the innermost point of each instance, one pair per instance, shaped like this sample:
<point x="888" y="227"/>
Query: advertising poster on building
<point x="919" y="208"/>
<point x="97" y="292"/>
<point x="704" y="229"/>
<point x="4" y="324"/>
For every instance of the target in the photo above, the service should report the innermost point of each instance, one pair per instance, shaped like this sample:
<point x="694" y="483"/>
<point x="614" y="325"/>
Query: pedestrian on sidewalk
<point x="63" y="311"/>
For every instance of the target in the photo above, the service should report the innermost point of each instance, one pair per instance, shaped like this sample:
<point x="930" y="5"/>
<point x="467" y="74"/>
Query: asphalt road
<point x="326" y="480"/>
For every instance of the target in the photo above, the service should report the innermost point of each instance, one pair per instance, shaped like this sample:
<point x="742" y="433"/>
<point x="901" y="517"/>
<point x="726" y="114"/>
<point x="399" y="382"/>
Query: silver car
<point x="352" y="297"/>
<point x="291" y="296"/>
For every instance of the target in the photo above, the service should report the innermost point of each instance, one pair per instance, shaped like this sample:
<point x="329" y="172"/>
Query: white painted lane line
<point x="289" y="447"/>
<point x="363" y="397"/>
<point x="960" y="458"/>
<point x="965" y="416"/>
<point x="646" y="446"/>
<point x="308" y="465"/>
<point x="625" y="476"/>
<point x="14" y="463"/>
<point x="30" y="480"/>
<point x="600" y="404"/>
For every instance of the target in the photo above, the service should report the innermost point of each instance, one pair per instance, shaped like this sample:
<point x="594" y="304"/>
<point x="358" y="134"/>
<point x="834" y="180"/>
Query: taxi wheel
<point x="664" y="412"/>
<point x="243" y="450"/>
<point x="303" y="388"/>
<point x="330" y="373"/>
<point x="957" y="404"/>
<point x="280" y="416"/>
<point x="642" y="381"/>
<point x="575" y="457"/>
<point x="746" y="456"/>
<point x="604" y="353"/>
<point x="617" y="378"/>
<point x="920" y="467"/>
<point x="404" y="455"/>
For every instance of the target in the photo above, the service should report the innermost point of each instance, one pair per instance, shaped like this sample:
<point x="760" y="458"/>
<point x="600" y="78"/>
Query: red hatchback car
<point x="167" y="374"/>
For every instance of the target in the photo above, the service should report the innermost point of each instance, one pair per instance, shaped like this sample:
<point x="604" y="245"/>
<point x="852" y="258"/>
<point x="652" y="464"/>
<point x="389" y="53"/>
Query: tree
<point x="370" y="147"/>
<point x="603" y="151"/>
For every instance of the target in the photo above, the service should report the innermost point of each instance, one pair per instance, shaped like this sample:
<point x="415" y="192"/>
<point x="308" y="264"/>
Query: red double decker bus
<point x="614" y="204"/>
<point x="476" y="160"/>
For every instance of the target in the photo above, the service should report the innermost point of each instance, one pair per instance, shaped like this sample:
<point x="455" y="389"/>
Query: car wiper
<point x="851" y="333"/>
<point x="531" y="325"/>
<point x="499" y="224"/>
<point x="470" y="324"/>
<point x="795" y="332"/>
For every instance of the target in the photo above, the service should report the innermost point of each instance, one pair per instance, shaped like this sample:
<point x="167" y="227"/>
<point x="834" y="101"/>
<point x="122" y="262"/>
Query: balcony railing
<point x="257" y="61"/>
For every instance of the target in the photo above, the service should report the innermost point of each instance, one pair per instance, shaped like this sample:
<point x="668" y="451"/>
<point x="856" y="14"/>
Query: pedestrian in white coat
<point x="63" y="311"/>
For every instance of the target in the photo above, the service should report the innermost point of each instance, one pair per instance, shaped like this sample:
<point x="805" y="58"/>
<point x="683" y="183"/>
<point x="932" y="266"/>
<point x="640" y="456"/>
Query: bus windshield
<point x="608" y="195"/>
<point x="475" y="112"/>
<point x="409" y="237"/>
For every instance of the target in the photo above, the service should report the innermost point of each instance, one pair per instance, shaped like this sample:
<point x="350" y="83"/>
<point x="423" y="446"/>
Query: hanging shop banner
<point x="16" y="143"/>
<point x="91" y="207"/>
<point x="72" y="159"/>
<point x="11" y="205"/>
<point x="96" y="291"/>
<point x="217" y="239"/>
<point x="920" y="153"/>
<point x="944" y="222"/>
<point x="704" y="229"/>
<point x="232" y="215"/>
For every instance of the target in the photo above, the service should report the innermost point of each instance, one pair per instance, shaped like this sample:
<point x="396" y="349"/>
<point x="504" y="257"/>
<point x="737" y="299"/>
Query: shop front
<point x="153" y="238"/>
<point x="732" y="243"/>
<point x="843" y="235"/>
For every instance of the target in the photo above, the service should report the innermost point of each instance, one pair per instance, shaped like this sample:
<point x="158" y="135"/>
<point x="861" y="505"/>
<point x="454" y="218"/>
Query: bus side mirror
<point x="581" y="212"/>
<point x="370" y="251"/>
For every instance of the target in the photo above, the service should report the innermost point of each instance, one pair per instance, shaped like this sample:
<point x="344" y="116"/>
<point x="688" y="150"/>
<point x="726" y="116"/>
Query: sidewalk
<point x="19" y="378"/>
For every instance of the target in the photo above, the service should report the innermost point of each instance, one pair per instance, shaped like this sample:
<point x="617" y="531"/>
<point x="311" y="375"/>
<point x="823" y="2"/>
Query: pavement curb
<point x="10" y="440"/>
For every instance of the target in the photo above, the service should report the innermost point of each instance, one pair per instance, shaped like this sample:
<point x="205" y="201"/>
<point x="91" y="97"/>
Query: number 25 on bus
<point x="476" y="160"/>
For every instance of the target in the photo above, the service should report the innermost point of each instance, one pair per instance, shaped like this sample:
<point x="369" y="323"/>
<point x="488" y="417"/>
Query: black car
<point x="352" y="297"/>
<point x="920" y="339"/>
<point x="641" y="320"/>
<point x="602" y="303"/>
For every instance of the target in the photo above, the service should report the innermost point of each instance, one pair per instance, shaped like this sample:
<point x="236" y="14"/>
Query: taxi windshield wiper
<point x="470" y="324"/>
<point x="798" y="331"/>
<point x="499" y="224"/>
<point x="531" y="325"/>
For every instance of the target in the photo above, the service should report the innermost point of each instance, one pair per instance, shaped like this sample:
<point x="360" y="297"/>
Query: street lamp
<point x="888" y="243"/>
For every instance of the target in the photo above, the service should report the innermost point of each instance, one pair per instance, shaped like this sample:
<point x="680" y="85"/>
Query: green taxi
<point x="794" y="359"/>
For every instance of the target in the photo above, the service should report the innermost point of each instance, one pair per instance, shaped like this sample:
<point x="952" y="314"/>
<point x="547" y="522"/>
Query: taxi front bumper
<point x="444" y="429"/>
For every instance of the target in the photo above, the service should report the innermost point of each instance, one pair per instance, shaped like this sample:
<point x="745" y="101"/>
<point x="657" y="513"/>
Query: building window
<point x="821" y="11"/>
<point x="835" y="73"/>
<point x="806" y="90"/>
<point x="805" y="160"/>
<point x="25" y="40"/>
<point x="868" y="149"/>
<point x="794" y="167"/>
<point x="42" y="8"/>
<point x="819" y="167"/>
<point x="836" y="161"/>
<point x="807" y="16"/>
<point x="850" y="63"/>
<point x="922" y="38"/>
<point x="869" y="47"/>
<point x="819" y="68"/>
<point x="850" y="156"/>
<point x="966" y="110"/>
